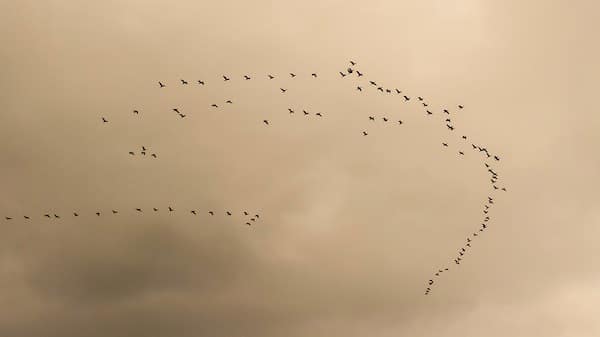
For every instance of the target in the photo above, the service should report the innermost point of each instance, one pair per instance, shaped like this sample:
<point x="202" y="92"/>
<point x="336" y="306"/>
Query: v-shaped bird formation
<point x="360" y="85"/>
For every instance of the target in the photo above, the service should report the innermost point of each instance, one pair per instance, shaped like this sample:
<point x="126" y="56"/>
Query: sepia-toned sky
<point x="351" y="227"/>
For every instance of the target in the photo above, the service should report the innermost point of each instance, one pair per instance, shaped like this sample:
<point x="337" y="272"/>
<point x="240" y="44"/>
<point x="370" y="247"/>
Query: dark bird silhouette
<point x="153" y="155"/>
<point x="184" y="82"/>
<point x="247" y="223"/>
<point x="450" y="127"/>
<point x="131" y="153"/>
<point x="47" y="215"/>
<point x="359" y="88"/>
<point x="171" y="209"/>
<point x="420" y="98"/>
<point x="161" y="85"/>
<point x="313" y="75"/>
<point x="343" y="75"/>
<point x="136" y="112"/>
<point x="350" y="70"/>
<point x="214" y="106"/>
<point x="200" y="82"/>
<point x="373" y="83"/>
<point x="211" y="212"/>
<point x="429" y="112"/>
<point x="292" y="74"/>
<point x="182" y="115"/>
<point x="104" y="120"/>
<point x="138" y="209"/>
<point x="143" y="153"/>
<point x="225" y="78"/>
<point x="352" y="63"/>
<point x="8" y="218"/>
<point x="365" y="133"/>
<point x="385" y="119"/>
<point x="283" y="90"/>
<point x="430" y="282"/>
<point x="56" y="216"/>
<point x="257" y="216"/>
<point x="504" y="189"/>
<point x="74" y="214"/>
<point x="228" y="213"/>
<point x="406" y="98"/>
<point x="193" y="212"/>
<point x="388" y="91"/>
<point x="445" y="144"/>
<point x="246" y="77"/>
<point x="253" y="219"/>
<point x="245" y="213"/>
<point x="319" y="114"/>
<point x="228" y="101"/>
<point x="380" y="89"/>
<point x="26" y="217"/>
<point x="155" y="209"/>
<point x="97" y="213"/>
<point x="305" y="112"/>
<point x="473" y="145"/>
<point x="398" y="91"/>
<point x="371" y="118"/>
<point x="464" y="137"/>
<point x="271" y="77"/>
<point x="461" y="153"/>
<point x="400" y="122"/>
<point x="460" y="106"/>
<point x="266" y="121"/>
<point x="176" y="110"/>
<point x="425" y="104"/>
<point x="359" y="73"/>
<point x="114" y="211"/>
<point x="497" y="158"/>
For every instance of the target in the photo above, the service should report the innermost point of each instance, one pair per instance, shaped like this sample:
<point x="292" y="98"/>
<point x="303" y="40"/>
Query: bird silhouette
<point x="305" y="112"/>
<point x="464" y="137"/>
<point x="183" y="82"/>
<point x="131" y="153"/>
<point x="200" y="82"/>
<point x="446" y="111"/>
<point x="26" y="217"/>
<point x="283" y="90"/>
<point x="257" y="216"/>
<point x="398" y="91"/>
<point x="385" y="119"/>
<point x="429" y="112"/>
<point x="430" y="282"/>
<point x="359" y="88"/>
<point x="245" y="213"/>
<point x="228" y="101"/>
<point x="136" y="112"/>
<point x="460" y="106"/>
<point x="74" y="214"/>
<point x="228" y="213"/>
<point x="314" y="75"/>
<point x="214" y="106"/>
<point x="211" y="212"/>
<point x="406" y="98"/>
<point x="319" y="114"/>
<point x="266" y="121"/>
<point x="504" y="189"/>
<point x="445" y="144"/>
<point x="371" y="118"/>
<point x="143" y="153"/>
<point x="271" y="77"/>
<point x="138" y="209"/>
<point x="176" y="110"/>
<point x="291" y="111"/>
<point x="359" y="73"/>
<point x="182" y="115"/>
<point x="461" y="153"/>
<point x="247" y="223"/>
<point x="56" y="216"/>
<point x="292" y="75"/>
<point x="155" y="209"/>
<point x="373" y="83"/>
<point x="193" y="212"/>
<point x="97" y="213"/>
<point x="450" y="127"/>
<point x="388" y="91"/>
<point x="225" y="78"/>
<point x="8" y="218"/>
<point x="246" y="77"/>
<point x="104" y="120"/>
<point x="365" y="133"/>
<point x="425" y="104"/>
<point x="380" y="89"/>
<point x="420" y="98"/>
<point x="497" y="158"/>
<point x="161" y="85"/>
<point x="253" y="219"/>
<point x="352" y="63"/>
<point x="153" y="155"/>
<point x="400" y="122"/>
<point x="114" y="211"/>
<point x="171" y="209"/>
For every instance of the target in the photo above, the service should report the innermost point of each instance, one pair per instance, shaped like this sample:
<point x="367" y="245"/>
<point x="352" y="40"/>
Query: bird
<point x="359" y="73"/>
<point x="461" y="153"/>
<point x="450" y="127"/>
<point x="373" y="83"/>
<point x="249" y="224"/>
<point x="406" y="98"/>
<point x="420" y="98"/>
<point x="473" y="145"/>
<point x="425" y="104"/>
<point x="211" y="212"/>
<point x="228" y="213"/>
<point x="214" y="106"/>
<point x="445" y="144"/>
<point x="385" y="119"/>
<point x="74" y="214"/>
<point x="229" y="102"/>
<point x="497" y="158"/>
<point x="380" y="89"/>
<point x="266" y="121"/>
<point x="253" y="219"/>
<point x="143" y="153"/>
<point x="8" y="218"/>
<point x="292" y="75"/>
<point x="161" y="85"/>
<point x="131" y="153"/>
<point x="350" y="70"/>
<point x="26" y="217"/>
<point x="171" y="209"/>
<point x="319" y="114"/>
<point x="446" y="111"/>
<point x="400" y="122"/>
<point x="388" y="91"/>
<point x="138" y="209"/>
<point x="184" y="82"/>
<point x="97" y="213"/>
<point x="153" y="155"/>
<point x="257" y="216"/>
<point x="429" y="112"/>
<point x="365" y="133"/>
<point x="504" y="189"/>
<point x="343" y="75"/>
<point x="464" y="137"/>
<point x="182" y="115"/>
<point x="460" y="106"/>
<point x="359" y="88"/>
<point x="200" y="82"/>
<point x="305" y="112"/>
<point x="176" y="110"/>
<point x="371" y="118"/>
<point x="155" y="209"/>
<point x="352" y="63"/>
<point x="47" y="215"/>
<point x="193" y="212"/>
<point x="430" y="282"/>
<point x="56" y="216"/>
<point x="245" y="213"/>
<point x="104" y="120"/>
<point x="246" y="77"/>
<point x="225" y="78"/>
<point x="271" y="76"/>
<point x="313" y="75"/>
<point x="398" y="91"/>
<point x="115" y="212"/>
<point x="283" y="90"/>
<point x="136" y="112"/>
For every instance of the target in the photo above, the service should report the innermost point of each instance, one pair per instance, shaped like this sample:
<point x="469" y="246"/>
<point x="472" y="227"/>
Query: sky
<point x="351" y="227"/>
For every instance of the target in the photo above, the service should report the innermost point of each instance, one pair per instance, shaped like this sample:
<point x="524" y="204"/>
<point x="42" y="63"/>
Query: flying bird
<point x="228" y="213"/>
<point x="171" y="209"/>
<point x="115" y="212"/>
<point x="200" y="82"/>
<point x="136" y="112"/>
<point x="400" y="122"/>
<point x="371" y="118"/>
<point x="131" y="153"/>
<point x="153" y="155"/>
<point x="460" y="106"/>
<point x="429" y="112"/>
<point x="271" y="77"/>
<point x="266" y="121"/>
<point x="104" y="120"/>
<point x="464" y="137"/>
<point x="446" y="111"/>
<point x="406" y="98"/>
<point x="246" y="77"/>
<point x="319" y="114"/>
<point x="292" y="75"/>
<point x="183" y="82"/>
<point x="161" y="85"/>
<point x="211" y="212"/>
<point x="225" y="78"/>
<point x="97" y="213"/>
<point x="214" y="106"/>
<point x="314" y="75"/>
<point x="26" y="217"/>
<point x="445" y="144"/>
<point x="352" y="63"/>
<point x="193" y="212"/>
<point x="365" y="133"/>
<point x="450" y="127"/>
<point x="359" y="73"/>
<point x="138" y="209"/>
<point x="155" y="209"/>
<point x="385" y="119"/>
<point x="229" y="102"/>
<point x="359" y="88"/>
<point x="373" y="83"/>
<point x="283" y="90"/>
<point x="343" y="75"/>
<point x="247" y="223"/>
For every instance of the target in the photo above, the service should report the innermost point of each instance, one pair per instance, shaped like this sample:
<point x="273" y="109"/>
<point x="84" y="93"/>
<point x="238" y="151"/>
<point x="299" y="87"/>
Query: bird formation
<point x="144" y="151"/>
<point x="248" y="218"/>
<point x="363" y="86"/>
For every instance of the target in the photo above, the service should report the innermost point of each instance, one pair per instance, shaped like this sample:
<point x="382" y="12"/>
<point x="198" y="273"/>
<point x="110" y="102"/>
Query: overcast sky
<point x="351" y="227"/>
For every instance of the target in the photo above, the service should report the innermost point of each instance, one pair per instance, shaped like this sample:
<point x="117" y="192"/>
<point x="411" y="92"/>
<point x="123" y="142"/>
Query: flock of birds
<point x="362" y="86"/>
<point x="248" y="218"/>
